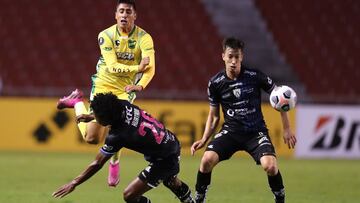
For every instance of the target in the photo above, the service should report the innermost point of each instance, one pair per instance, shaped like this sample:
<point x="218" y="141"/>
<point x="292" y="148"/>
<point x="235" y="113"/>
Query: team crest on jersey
<point x="237" y="92"/>
<point x="132" y="43"/>
<point x="117" y="42"/>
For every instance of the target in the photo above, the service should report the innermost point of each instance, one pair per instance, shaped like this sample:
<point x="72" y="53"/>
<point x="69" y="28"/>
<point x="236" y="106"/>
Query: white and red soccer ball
<point x="283" y="98"/>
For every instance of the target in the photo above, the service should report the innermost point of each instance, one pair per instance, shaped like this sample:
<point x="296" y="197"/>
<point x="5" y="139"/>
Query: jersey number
<point x="152" y="124"/>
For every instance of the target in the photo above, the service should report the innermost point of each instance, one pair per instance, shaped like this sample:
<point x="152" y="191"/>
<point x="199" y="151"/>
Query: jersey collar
<point x="125" y="34"/>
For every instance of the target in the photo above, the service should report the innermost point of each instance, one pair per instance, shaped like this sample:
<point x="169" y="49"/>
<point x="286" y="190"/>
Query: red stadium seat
<point x="320" y="39"/>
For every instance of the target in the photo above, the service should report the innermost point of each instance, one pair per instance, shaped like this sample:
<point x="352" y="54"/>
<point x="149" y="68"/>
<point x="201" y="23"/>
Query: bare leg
<point x="135" y="190"/>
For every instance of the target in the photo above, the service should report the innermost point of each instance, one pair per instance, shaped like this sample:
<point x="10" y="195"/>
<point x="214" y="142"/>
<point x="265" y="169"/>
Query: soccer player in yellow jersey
<point x="126" y="66"/>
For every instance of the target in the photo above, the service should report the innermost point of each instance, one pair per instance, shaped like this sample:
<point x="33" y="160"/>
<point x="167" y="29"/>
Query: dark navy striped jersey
<point x="142" y="133"/>
<point x="240" y="99"/>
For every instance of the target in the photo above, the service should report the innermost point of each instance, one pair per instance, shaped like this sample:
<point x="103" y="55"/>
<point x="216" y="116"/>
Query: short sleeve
<point x="214" y="99"/>
<point x="111" y="146"/>
<point x="265" y="82"/>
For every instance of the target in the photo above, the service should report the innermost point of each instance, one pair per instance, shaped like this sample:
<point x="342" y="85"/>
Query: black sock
<point x="141" y="199"/>
<point x="276" y="185"/>
<point x="202" y="182"/>
<point x="182" y="192"/>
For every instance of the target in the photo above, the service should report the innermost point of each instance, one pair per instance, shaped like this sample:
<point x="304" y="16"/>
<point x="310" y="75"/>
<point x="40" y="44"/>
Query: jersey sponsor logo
<point x="210" y="146"/>
<point x="237" y="92"/>
<point x="219" y="79"/>
<point x="227" y="95"/>
<point x="248" y="90"/>
<point x="241" y="102"/>
<point x="125" y="56"/>
<point x="101" y="41"/>
<point x="129" y="114"/>
<point x="245" y="111"/>
<point x="136" y="118"/>
<point x="230" y="112"/>
<point x="250" y="72"/>
<point x="236" y="84"/>
<point x="131" y="44"/>
<point x="107" y="48"/>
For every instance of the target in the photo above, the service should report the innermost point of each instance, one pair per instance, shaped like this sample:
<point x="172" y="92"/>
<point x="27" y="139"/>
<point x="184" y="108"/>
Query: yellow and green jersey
<point x="121" y="54"/>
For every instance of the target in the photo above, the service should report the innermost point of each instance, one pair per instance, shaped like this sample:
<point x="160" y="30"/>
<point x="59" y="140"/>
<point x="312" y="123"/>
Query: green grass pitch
<point x="32" y="177"/>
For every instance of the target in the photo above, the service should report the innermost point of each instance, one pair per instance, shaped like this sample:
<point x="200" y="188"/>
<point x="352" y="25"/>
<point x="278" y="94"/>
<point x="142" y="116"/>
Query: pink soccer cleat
<point x="70" y="101"/>
<point x="113" y="178"/>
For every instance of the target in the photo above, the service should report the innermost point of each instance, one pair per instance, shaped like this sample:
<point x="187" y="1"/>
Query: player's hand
<point x="197" y="145"/>
<point x="289" y="138"/>
<point x="85" y="118"/>
<point x="133" y="88"/>
<point x="143" y="64"/>
<point x="64" y="190"/>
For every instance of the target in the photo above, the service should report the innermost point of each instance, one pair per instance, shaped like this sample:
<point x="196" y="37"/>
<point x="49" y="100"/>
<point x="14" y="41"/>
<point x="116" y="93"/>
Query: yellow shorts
<point x="100" y="87"/>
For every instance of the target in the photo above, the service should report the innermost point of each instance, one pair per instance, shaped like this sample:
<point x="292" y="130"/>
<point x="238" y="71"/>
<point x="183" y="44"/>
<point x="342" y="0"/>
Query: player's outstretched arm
<point x="289" y="136"/>
<point x="85" y="118"/>
<point x="93" y="168"/>
<point x="210" y="127"/>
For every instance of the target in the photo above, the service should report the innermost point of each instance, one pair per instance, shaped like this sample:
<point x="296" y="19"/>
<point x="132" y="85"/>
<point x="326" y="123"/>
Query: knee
<point x="129" y="196"/>
<point x="208" y="162"/>
<point x="270" y="168"/>
<point x="91" y="138"/>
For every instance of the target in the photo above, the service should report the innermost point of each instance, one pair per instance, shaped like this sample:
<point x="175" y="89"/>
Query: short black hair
<point x="107" y="108"/>
<point x="233" y="43"/>
<point x="131" y="2"/>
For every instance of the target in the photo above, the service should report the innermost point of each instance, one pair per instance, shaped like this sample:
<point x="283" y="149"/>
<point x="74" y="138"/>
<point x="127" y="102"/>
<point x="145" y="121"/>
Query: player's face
<point x="232" y="58"/>
<point x="125" y="16"/>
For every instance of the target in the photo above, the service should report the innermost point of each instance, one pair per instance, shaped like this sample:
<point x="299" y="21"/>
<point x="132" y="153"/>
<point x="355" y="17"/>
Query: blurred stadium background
<point x="49" y="48"/>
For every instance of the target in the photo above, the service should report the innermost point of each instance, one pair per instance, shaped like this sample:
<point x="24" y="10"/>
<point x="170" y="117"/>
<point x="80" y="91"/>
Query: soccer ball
<point x="283" y="98"/>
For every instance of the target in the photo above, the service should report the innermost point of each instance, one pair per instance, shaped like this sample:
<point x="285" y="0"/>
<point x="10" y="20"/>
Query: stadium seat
<point x="58" y="45"/>
<point x="320" y="39"/>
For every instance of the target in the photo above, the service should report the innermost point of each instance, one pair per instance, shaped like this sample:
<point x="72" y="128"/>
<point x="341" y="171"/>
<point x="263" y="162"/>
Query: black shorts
<point x="226" y="143"/>
<point x="158" y="171"/>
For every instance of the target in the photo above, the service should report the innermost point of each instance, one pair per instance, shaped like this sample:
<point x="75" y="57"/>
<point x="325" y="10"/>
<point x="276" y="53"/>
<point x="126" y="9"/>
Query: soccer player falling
<point x="132" y="128"/>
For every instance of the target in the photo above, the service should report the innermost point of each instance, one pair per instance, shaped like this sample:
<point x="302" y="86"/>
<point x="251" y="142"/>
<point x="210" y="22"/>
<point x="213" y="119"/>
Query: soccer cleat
<point x="200" y="198"/>
<point x="188" y="200"/>
<point x="70" y="101"/>
<point x="113" y="178"/>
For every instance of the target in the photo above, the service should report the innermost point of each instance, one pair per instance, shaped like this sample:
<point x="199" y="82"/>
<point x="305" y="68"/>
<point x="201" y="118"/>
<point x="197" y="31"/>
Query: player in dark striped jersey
<point x="238" y="90"/>
<point x="133" y="128"/>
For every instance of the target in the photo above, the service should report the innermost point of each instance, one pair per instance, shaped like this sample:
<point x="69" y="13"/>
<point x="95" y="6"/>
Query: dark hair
<point x="131" y="2"/>
<point x="107" y="108"/>
<point x="233" y="43"/>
